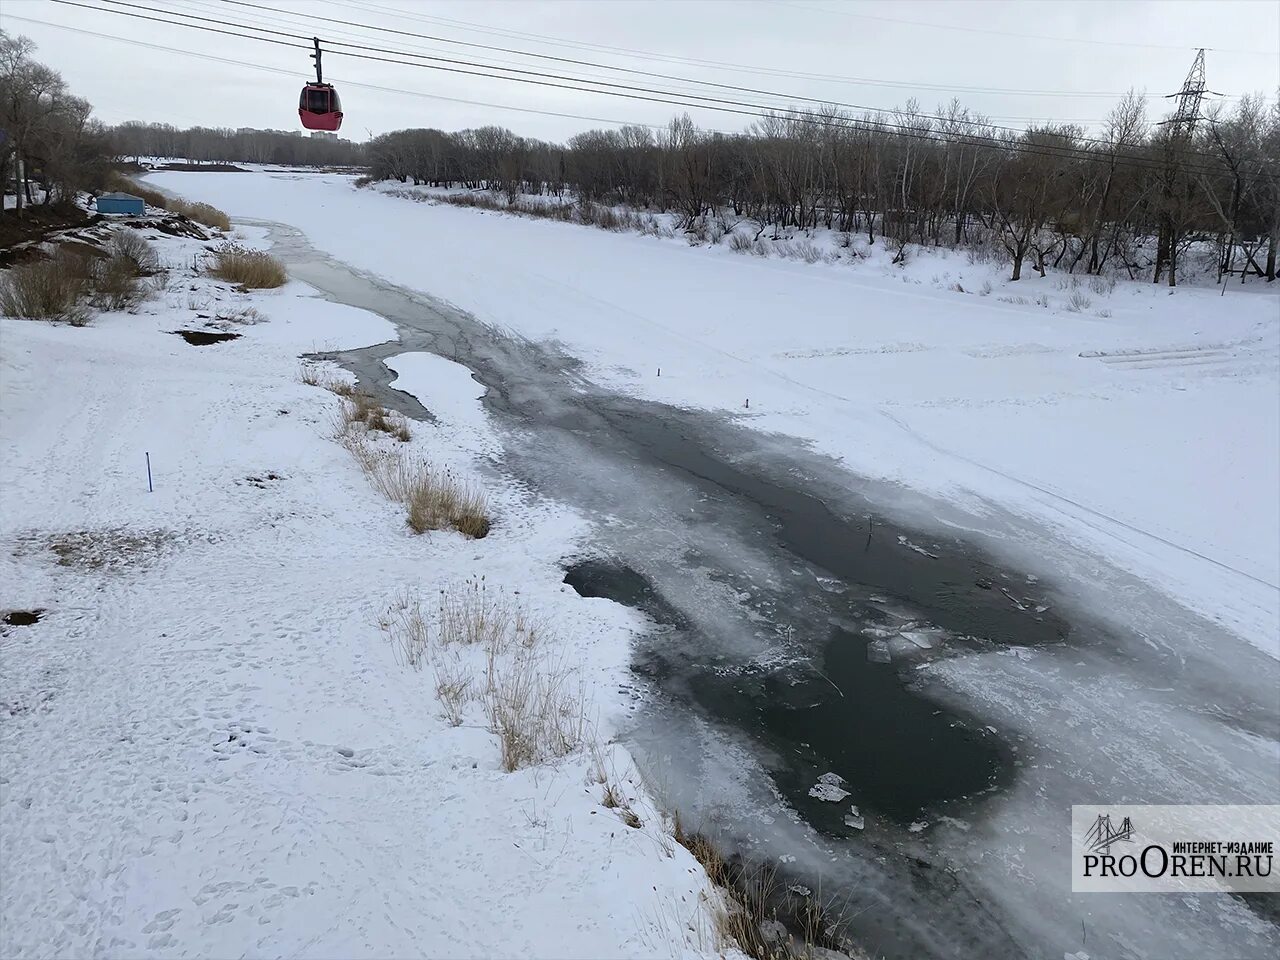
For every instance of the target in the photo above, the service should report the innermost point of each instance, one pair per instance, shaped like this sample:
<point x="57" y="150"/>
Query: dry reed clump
<point x="439" y="499"/>
<point x="53" y="289"/>
<point x="251" y="269"/>
<point x="360" y="408"/>
<point x="433" y="500"/>
<point x="406" y="626"/>
<point x="316" y="375"/>
<point x="210" y="216"/>
<point x="533" y="706"/>
<point x="488" y="649"/>
<point x="759" y="914"/>
<point x="531" y="700"/>
<point x="453" y="687"/>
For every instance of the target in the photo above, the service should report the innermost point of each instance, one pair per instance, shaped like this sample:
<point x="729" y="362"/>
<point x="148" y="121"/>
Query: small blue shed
<point x="121" y="203"/>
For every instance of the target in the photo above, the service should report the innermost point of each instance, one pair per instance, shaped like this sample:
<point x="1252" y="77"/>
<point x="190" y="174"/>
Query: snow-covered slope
<point x="207" y="745"/>
<point x="1145" y="428"/>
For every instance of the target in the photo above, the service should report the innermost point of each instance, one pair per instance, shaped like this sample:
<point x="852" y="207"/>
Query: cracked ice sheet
<point x="965" y="397"/>
<point x="1052" y="701"/>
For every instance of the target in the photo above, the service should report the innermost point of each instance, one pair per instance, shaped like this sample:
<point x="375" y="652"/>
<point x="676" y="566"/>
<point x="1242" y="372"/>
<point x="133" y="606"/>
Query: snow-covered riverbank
<point x="209" y="745"/>
<point x="1144" y="428"/>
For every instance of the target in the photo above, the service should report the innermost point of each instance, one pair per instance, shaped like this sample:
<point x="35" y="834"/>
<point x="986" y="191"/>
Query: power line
<point x="707" y="83"/>
<point x="332" y="36"/>
<point x="293" y="74"/>
<point x="626" y="91"/>
<point x="757" y="69"/>
<point x="1020" y="36"/>
<point x="903" y="131"/>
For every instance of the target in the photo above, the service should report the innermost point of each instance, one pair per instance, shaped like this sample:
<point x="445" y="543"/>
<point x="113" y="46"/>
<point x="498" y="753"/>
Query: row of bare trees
<point x="50" y="148"/>
<point x="139" y="140"/>
<point x="1051" y="197"/>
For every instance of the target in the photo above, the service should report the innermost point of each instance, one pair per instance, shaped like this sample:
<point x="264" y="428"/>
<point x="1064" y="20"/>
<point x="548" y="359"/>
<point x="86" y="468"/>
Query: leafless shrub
<point x="115" y="284"/>
<point x="1016" y="300"/>
<point x="53" y="289"/>
<point x="251" y="269"/>
<point x="406" y="627"/>
<point x="1103" y="314"/>
<point x="1078" y="301"/>
<point x="1102" y="286"/>
<point x="740" y="242"/>
<point x="985" y="291"/>
<point x="759" y="249"/>
<point x="133" y="247"/>
<point x="808" y="251"/>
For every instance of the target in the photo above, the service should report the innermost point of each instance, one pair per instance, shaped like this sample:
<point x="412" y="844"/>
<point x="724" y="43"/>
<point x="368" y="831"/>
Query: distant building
<point x="121" y="203"/>
<point x="323" y="135"/>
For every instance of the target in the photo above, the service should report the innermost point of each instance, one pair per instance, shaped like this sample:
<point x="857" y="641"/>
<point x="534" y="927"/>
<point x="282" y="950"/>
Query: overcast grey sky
<point x="1018" y="60"/>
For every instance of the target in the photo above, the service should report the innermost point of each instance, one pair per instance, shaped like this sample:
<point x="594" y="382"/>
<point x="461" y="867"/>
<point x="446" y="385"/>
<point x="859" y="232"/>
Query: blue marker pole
<point x="150" y="488"/>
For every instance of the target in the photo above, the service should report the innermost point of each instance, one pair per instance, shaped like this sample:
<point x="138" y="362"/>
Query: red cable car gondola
<point x="318" y="106"/>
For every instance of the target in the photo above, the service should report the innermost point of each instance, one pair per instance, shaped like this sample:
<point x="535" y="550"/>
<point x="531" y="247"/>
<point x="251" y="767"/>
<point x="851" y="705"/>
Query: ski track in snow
<point x="206" y="745"/>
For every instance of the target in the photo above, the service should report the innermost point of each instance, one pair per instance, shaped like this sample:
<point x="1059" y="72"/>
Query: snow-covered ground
<point x="1144" y="426"/>
<point x="208" y="744"/>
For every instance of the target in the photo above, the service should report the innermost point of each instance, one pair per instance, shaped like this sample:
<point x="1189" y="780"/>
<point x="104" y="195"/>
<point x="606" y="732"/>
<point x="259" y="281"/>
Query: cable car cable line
<point x="603" y="83"/>
<point x="709" y="83"/>
<point x="1040" y="149"/>
<point x="285" y="72"/>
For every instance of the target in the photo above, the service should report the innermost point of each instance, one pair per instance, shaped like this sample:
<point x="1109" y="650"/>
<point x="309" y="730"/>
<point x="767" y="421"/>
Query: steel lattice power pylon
<point x="1190" y="97"/>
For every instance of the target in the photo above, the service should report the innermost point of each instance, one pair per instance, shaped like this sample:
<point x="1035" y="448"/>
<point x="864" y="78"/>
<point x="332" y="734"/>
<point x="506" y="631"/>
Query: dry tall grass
<point x="210" y="216"/>
<point x="361" y="408"/>
<point x="406" y="626"/>
<point x="487" y="648"/>
<point x="251" y="269"/>
<point x="535" y="707"/>
<point x="453" y="687"/>
<point x="433" y="500"/>
<point x="53" y="289"/>
<point x="760" y="915"/>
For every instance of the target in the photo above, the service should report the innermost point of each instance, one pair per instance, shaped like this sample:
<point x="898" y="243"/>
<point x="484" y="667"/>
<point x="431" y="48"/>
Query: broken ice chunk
<point x="854" y="819"/>
<point x="878" y="651"/>
<point x="918" y="825"/>
<point x="924" y="639"/>
<point x="829" y="788"/>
